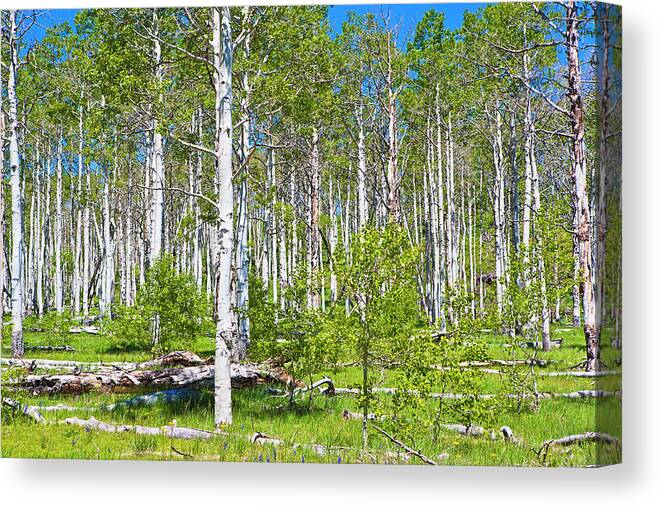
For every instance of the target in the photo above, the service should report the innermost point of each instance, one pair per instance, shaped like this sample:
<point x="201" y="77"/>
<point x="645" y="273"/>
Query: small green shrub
<point x="170" y="312"/>
<point x="56" y="327"/>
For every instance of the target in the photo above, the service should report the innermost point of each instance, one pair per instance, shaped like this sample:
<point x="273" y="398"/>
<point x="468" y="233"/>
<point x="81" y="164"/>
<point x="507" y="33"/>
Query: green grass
<point x="319" y="421"/>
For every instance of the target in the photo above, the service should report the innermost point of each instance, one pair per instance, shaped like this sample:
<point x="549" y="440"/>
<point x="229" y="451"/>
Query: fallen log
<point x="502" y="362"/>
<point x="472" y="430"/>
<point x="555" y="344"/>
<point x="61" y="407"/>
<point x="174" y="431"/>
<point x="84" y="329"/>
<point x="348" y="415"/>
<point x="169" y="431"/>
<point x="580" y="374"/>
<point x="31" y="412"/>
<point x="176" y="358"/>
<point x="584" y="394"/>
<point x="590" y="436"/>
<point x="585" y="374"/>
<point x="51" y="348"/>
<point x="242" y="375"/>
<point x="169" y="396"/>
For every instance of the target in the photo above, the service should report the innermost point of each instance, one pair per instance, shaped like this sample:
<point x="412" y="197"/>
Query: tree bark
<point x="314" y="300"/>
<point x="222" y="59"/>
<point x="579" y="175"/>
<point x="17" y="346"/>
<point x="158" y="179"/>
<point x="59" y="289"/>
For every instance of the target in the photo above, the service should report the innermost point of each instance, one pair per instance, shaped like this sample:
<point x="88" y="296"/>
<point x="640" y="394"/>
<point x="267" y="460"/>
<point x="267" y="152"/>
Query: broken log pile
<point x="176" y="358"/>
<point x="120" y="377"/>
<point x="129" y="381"/>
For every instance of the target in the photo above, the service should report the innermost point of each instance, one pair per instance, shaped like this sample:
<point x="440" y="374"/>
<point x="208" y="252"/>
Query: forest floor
<point x="314" y="429"/>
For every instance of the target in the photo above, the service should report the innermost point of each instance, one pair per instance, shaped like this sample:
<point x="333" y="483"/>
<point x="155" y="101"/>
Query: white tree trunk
<point x="499" y="206"/>
<point x="17" y="346"/>
<point x="197" y="181"/>
<point x="362" y="168"/>
<point x="77" y="271"/>
<point x="59" y="289"/>
<point x="158" y="176"/>
<point x="313" y="230"/>
<point x="108" y="265"/>
<point x="222" y="59"/>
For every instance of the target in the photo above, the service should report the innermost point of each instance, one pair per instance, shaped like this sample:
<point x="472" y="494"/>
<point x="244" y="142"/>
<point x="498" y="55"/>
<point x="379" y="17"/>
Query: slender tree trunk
<point x="59" y="289"/>
<point x="313" y="270"/>
<point x="498" y="196"/>
<point x="243" y="253"/>
<point x="332" y="240"/>
<point x="158" y="179"/>
<point x="17" y="346"/>
<point x="538" y="250"/>
<point x="222" y="59"/>
<point x="77" y="271"/>
<point x="441" y="220"/>
<point x="128" y="235"/>
<point x="393" y="176"/>
<point x="604" y="89"/>
<point x="273" y="227"/>
<point x="108" y="269"/>
<point x="579" y="176"/>
<point x="362" y="170"/>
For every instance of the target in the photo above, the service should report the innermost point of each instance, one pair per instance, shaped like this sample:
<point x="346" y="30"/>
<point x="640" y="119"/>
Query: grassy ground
<point x="319" y="420"/>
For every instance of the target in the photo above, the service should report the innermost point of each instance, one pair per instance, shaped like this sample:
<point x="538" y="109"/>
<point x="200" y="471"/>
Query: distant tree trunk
<point x="393" y="176"/>
<point x="514" y="189"/>
<point x="243" y="253"/>
<point x="579" y="176"/>
<point x="538" y="249"/>
<point x="451" y="226"/>
<point x="108" y="265"/>
<point x="87" y="247"/>
<point x="222" y="60"/>
<point x="284" y="281"/>
<point x="362" y="169"/>
<point x="41" y="234"/>
<point x="197" y="188"/>
<point x="128" y="239"/>
<point x="77" y="271"/>
<point x="499" y="218"/>
<point x="440" y="229"/>
<point x="59" y="289"/>
<point x="273" y="226"/>
<point x="158" y="179"/>
<point x="604" y="89"/>
<point x="17" y="346"/>
<point x="313" y="270"/>
<point x="332" y="240"/>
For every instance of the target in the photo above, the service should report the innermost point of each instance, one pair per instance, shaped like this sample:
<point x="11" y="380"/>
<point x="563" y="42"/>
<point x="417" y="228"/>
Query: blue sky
<point x="406" y="15"/>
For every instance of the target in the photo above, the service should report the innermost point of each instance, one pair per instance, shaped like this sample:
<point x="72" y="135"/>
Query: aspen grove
<point x="404" y="207"/>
